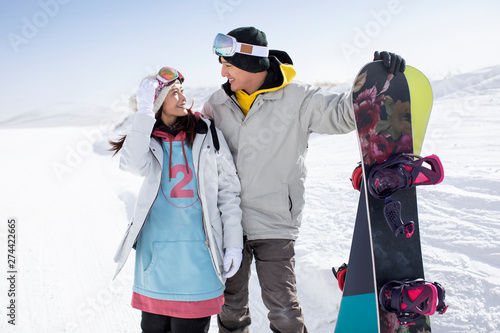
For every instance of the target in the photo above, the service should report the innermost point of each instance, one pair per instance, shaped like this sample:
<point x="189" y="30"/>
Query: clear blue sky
<point x="54" y="52"/>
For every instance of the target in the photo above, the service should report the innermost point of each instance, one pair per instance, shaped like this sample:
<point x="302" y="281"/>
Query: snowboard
<point x="386" y="124"/>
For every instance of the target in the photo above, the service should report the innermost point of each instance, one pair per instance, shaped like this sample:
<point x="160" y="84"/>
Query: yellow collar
<point x="245" y="100"/>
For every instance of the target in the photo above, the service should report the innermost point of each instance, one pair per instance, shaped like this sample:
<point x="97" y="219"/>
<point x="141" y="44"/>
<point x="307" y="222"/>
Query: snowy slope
<point x="72" y="205"/>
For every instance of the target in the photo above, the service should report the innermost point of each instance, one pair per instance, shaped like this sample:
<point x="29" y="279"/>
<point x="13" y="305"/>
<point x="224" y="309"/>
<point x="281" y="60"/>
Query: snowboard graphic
<point x="391" y="118"/>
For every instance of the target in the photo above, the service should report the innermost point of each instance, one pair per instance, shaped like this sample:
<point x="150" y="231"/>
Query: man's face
<point x="238" y="78"/>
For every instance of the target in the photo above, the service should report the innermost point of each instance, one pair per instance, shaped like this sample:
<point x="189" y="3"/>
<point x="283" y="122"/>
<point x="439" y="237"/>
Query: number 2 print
<point x="182" y="194"/>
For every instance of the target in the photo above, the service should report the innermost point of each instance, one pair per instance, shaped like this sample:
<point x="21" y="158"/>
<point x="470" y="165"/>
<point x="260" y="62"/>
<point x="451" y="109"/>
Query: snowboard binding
<point x="340" y="275"/>
<point x="357" y="177"/>
<point x="399" y="172"/>
<point x="403" y="171"/>
<point x="410" y="299"/>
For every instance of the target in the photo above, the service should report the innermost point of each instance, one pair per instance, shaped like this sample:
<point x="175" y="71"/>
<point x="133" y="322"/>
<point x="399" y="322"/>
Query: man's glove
<point x="232" y="261"/>
<point x="392" y="61"/>
<point x="146" y="96"/>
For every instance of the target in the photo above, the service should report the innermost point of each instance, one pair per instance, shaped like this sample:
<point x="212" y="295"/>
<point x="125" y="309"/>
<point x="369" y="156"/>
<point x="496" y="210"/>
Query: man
<point x="266" y="119"/>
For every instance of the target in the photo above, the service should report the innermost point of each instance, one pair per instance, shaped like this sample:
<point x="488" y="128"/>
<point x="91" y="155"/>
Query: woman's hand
<point x="146" y="96"/>
<point x="232" y="261"/>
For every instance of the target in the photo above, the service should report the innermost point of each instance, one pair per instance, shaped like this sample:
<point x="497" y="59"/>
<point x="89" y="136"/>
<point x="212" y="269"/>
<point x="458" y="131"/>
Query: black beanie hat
<point x="249" y="63"/>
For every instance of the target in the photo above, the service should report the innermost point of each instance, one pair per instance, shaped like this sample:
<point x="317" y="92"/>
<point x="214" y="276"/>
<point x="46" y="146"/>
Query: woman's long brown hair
<point x="185" y="124"/>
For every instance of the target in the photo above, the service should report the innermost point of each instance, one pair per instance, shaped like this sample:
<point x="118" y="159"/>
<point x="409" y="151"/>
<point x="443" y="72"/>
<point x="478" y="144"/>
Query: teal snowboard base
<point x="359" y="306"/>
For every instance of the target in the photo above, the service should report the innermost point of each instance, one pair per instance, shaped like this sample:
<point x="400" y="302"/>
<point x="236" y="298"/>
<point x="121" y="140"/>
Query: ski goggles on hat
<point x="166" y="76"/>
<point x="227" y="46"/>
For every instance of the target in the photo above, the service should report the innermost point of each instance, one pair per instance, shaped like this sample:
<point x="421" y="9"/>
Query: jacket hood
<point x="279" y="75"/>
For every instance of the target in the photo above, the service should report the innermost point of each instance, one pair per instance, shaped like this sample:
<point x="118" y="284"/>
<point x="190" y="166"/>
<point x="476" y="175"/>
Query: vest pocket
<point x="181" y="268"/>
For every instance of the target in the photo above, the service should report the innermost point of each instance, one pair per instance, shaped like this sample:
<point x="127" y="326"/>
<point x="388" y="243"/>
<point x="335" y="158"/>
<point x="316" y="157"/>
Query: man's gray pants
<point x="274" y="262"/>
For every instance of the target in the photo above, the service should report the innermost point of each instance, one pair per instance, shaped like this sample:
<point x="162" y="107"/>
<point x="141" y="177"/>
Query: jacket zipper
<point x="207" y="243"/>
<point x="203" y="222"/>
<point x="149" y="210"/>
<point x="238" y="106"/>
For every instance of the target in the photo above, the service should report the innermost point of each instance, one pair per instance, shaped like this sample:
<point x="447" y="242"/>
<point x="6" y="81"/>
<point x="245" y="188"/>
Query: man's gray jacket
<point x="269" y="146"/>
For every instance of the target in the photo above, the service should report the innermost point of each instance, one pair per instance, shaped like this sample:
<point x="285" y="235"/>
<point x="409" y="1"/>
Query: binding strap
<point x="410" y="299"/>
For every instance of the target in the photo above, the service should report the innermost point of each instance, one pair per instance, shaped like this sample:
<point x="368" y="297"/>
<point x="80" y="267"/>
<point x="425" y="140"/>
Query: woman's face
<point x="174" y="105"/>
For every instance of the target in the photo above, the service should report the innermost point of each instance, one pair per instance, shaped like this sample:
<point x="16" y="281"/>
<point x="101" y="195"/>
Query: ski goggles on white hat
<point x="166" y="76"/>
<point x="227" y="46"/>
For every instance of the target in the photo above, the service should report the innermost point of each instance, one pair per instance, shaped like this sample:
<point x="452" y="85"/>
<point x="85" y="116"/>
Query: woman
<point x="187" y="221"/>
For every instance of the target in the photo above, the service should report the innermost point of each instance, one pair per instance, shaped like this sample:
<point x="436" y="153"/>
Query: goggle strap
<point x="254" y="50"/>
<point x="160" y="87"/>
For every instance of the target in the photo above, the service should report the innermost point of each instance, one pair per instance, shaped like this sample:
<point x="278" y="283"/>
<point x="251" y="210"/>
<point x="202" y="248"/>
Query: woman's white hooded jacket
<point x="218" y="186"/>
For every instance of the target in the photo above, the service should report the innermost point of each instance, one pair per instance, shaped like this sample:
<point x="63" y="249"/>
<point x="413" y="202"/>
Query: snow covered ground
<point x="72" y="205"/>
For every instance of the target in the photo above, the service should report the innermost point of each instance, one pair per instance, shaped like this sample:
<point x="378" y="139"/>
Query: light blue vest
<point x="172" y="260"/>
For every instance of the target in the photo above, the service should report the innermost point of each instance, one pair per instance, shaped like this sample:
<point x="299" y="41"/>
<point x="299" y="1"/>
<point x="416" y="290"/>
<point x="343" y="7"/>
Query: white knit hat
<point x="160" y="93"/>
